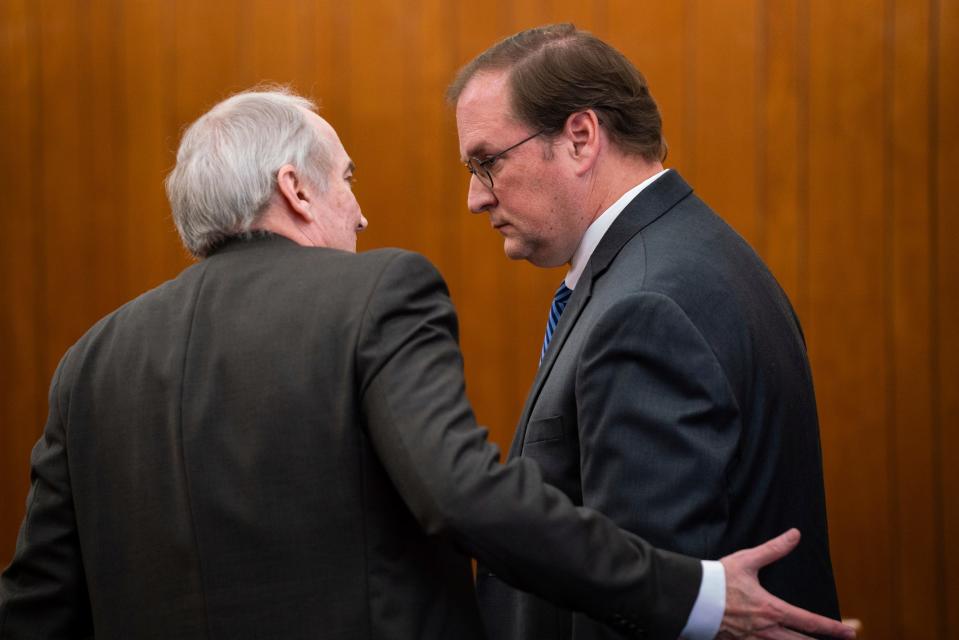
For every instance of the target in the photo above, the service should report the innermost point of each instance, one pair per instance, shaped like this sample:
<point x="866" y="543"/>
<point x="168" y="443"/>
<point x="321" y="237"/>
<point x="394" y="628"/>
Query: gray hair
<point x="228" y="159"/>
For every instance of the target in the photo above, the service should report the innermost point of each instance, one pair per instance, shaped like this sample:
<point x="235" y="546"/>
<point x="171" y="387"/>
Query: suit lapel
<point x="651" y="203"/>
<point x="574" y="307"/>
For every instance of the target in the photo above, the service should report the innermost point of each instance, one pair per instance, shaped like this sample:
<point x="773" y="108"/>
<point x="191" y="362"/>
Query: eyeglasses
<point x="481" y="168"/>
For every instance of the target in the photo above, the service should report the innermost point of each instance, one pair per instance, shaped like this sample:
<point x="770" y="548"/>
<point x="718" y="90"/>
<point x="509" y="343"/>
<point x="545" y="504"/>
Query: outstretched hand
<point x="753" y="612"/>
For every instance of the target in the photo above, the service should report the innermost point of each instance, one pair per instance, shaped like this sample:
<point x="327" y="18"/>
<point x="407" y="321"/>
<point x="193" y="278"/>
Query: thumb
<point x="773" y="549"/>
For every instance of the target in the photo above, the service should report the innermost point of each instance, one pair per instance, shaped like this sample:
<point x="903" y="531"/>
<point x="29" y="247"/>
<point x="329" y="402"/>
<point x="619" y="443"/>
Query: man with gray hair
<point x="277" y="443"/>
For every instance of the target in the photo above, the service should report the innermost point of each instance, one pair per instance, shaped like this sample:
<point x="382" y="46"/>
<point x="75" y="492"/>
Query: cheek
<point x="540" y="213"/>
<point x="348" y="208"/>
<point x="532" y="199"/>
<point x="353" y="206"/>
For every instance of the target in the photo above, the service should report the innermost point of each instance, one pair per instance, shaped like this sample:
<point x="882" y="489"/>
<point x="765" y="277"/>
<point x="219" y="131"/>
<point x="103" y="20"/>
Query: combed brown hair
<point x="557" y="70"/>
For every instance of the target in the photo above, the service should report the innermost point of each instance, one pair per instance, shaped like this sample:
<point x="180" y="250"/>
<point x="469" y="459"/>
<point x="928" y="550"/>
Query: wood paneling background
<point x="825" y="132"/>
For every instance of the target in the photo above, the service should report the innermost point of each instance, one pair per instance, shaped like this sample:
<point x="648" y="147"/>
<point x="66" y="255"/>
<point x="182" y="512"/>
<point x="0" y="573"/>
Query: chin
<point x="515" y="253"/>
<point x="540" y="260"/>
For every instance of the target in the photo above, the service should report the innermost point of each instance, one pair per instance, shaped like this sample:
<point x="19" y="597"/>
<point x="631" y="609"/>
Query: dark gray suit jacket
<point x="676" y="398"/>
<point x="277" y="444"/>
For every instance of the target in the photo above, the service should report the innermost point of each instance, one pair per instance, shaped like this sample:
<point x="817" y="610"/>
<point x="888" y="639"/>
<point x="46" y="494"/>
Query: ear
<point x="583" y="131"/>
<point x="294" y="190"/>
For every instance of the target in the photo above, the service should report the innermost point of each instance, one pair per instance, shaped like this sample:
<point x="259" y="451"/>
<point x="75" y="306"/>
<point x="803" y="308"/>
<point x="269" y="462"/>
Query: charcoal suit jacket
<point x="676" y="398"/>
<point x="277" y="444"/>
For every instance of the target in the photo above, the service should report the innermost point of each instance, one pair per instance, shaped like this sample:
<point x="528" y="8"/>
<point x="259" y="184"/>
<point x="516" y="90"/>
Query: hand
<point x="753" y="612"/>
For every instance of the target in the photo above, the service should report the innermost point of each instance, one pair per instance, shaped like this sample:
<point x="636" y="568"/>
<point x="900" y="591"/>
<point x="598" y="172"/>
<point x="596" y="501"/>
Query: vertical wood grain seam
<point x="341" y="97"/>
<point x="889" y="302"/>
<point x="762" y="139"/>
<point x="84" y="116"/>
<point x="406" y="69"/>
<point x="305" y="31"/>
<point x="505" y="21"/>
<point x="452" y="256"/>
<point x="169" y="77"/>
<point x="171" y="92"/>
<point x="802" y="160"/>
<point x="38" y="228"/>
<point x="120" y="109"/>
<point x="38" y="251"/>
<point x="689" y="100"/>
<point x="243" y="32"/>
<point x="601" y="18"/>
<point x="935" y="328"/>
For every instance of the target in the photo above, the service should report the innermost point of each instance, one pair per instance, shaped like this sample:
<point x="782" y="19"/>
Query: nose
<point x="480" y="197"/>
<point x="363" y="223"/>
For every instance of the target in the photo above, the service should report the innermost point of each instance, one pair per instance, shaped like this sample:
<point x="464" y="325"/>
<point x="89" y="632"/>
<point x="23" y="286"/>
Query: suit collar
<point x="250" y="239"/>
<point x="651" y="203"/>
<point x="599" y="227"/>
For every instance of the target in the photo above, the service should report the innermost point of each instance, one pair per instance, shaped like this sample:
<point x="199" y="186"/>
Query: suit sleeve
<point x="424" y="431"/>
<point x="658" y="425"/>
<point x="43" y="592"/>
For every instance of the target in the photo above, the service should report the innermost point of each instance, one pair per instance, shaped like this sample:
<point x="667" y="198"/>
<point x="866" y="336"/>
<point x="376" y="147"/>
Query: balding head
<point x="228" y="159"/>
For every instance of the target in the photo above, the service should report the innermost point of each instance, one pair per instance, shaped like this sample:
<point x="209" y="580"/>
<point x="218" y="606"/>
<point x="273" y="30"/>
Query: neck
<point x="282" y="222"/>
<point x="623" y="173"/>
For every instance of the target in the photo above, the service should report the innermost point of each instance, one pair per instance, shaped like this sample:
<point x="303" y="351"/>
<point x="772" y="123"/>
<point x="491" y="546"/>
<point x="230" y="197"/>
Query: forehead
<point x="483" y="115"/>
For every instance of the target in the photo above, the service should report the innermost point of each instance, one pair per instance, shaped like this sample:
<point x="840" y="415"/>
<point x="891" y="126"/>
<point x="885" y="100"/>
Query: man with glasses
<point x="277" y="443"/>
<point x="673" y="392"/>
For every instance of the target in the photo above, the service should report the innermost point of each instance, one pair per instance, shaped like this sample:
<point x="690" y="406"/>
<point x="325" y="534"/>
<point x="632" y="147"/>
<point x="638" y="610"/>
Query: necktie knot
<point x="560" y="298"/>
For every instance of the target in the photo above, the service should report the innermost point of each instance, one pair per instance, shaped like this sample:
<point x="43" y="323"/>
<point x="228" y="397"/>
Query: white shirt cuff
<point x="707" y="613"/>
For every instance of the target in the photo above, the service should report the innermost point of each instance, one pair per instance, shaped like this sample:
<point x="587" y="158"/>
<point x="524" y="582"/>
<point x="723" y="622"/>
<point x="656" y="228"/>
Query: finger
<point x="773" y="549"/>
<point x="812" y="623"/>
<point x="782" y="633"/>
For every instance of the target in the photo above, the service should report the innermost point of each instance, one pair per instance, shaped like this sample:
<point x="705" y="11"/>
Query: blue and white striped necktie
<point x="560" y="298"/>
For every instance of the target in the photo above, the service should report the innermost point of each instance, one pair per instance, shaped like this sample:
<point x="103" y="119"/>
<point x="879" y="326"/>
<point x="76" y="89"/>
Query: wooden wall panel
<point x="825" y="132"/>
<point x="149" y="134"/>
<point x="207" y="61"/>
<point x="945" y="195"/>
<point x="585" y="15"/>
<point x="658" y="46"/>
<point x="909" y="282"/>
<point x="845" y="322"/>
<point x="326" y="66"/>
<point x="721" y="158"/>
<point x="272" y="39"/>
<point x="783" y="151"/>
<point x="22" y="321"/>
<point x="69" y="246"/>
<point x="591" y="16"/>
<point x="422" y="152"/>
<point x="101" y="140"/>
<point x="378" y="92"/>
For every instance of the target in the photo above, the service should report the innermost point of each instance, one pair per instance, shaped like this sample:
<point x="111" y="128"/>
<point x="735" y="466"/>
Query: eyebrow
<point x="350" y="168"/>
<point x="476" y="152"/>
